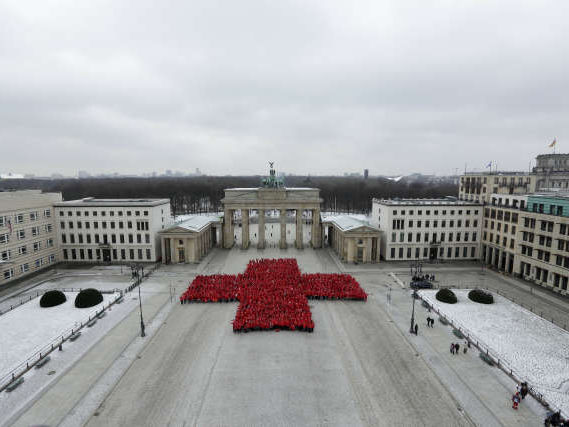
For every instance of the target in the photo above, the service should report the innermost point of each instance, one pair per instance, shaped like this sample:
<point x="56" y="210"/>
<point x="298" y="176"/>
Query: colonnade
<point x="228" y="227"/>
<point x="500" y="259"/>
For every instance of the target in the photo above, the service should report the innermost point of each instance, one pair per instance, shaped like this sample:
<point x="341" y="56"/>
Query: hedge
<point x="88" y="298"/>
<point x="52" y="298"/>
<point x="481" y="296"/>
<point x="446" y="295"/>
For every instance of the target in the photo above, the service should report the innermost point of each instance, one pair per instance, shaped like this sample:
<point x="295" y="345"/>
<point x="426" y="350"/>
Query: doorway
<point x="106" y="255"/>
<point x="433" y="253"/>
<point x="181" y="255"/>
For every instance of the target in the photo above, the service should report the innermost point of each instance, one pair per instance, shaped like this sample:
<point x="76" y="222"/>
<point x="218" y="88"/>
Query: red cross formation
<point x="272" y="294"/>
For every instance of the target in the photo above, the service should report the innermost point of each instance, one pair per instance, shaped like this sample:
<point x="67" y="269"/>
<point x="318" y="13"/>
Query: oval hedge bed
<point x="88" y="298"/>
<point x="481" y="296"/>
<point x="446" y="295"/>
<point x="52" y="298"/>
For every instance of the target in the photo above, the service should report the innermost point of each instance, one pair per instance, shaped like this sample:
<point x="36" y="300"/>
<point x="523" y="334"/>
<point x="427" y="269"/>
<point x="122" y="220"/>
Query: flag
<point x="553" y="143"/>
<point x="489" y="164"/>
<point x="10" y="225"/>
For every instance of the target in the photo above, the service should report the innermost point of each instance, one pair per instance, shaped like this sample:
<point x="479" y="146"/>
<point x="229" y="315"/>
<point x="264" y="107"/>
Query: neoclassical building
<point x="189" y="239"/>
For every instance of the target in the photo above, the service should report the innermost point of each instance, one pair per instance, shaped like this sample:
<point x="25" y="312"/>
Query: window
<point x="48" y="228"/>
<point x="5" y="255"/>
<point x="63" y="238"/>
<point x="24" y="268"/>
<point x="418" y="237"/>
<point x="129" y="224"/>
<point x="47" y="213"/>
<point x="4" y="238"/>
<point x="35" y="231"/>
<point x="89" y="253"/>
<point x="49" y="243"/>
<point x="131" y="253"/>
<point x="72" y="238"/>
<point x="392" y="252"/>
<point x="65" y="254"/>
<point x="33" y="216"/>
<point x="51" y="258"/>
<point x="113" y="239"/>
<point x="39" y="262"/>
<point x="88" y="236"/>
<point x="22" y="250"/>
<point x="70" y="225"/>
<point x="148" y="254"/>
<point x="37" y="246"/>
<point x="80" y="238"/>
<point x="19" y="218"/>
<point x="147" y="237"/>
<point x="79" y="224"/>
<point x="131" y="240"/>
<point x="8" y="274"/>
<point x="137" y="213"/>
<point x="123" y="254"/>
<point x="88" y="225"/>
<point x="122" y="238"/>
<point x="21" y="234"/>
<point x="400" y="252"/>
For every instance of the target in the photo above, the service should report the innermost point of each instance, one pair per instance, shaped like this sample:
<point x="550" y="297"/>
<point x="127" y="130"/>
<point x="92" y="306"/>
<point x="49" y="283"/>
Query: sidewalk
<point x="484" y="392"/>
<point x="57" y="402"/>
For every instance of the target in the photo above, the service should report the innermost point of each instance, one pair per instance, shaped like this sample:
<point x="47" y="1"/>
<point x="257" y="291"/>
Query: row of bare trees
<point x="204" y="194"/>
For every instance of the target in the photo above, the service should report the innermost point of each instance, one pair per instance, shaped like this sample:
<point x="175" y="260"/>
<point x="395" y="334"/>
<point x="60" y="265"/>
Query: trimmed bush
<point x="480" y="296"/>
<point x="88" y="298"/>
<point x="52" y="298"/>
<point x="446" y="295"/>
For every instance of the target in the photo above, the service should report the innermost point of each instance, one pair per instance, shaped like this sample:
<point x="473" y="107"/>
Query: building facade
<point x="111" y="230"/>
<point x="500" y="232"/>
<point x="552" y="171"/>
<point x="444" y="229"/>
<point x="479" y="187"/>
<point x="352" y="239"/>
<point x="28" y="237"/>
<point x="190" y="238"/>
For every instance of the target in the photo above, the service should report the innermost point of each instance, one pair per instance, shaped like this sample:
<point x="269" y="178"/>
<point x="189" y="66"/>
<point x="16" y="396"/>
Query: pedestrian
<point x="416" y="328"/>
<point x="452" y="348"/>
<point x="456" y="348"/>
<point x="515" y="400"/>
<point x="524" y="390"/>
<point x="519" y="388"/>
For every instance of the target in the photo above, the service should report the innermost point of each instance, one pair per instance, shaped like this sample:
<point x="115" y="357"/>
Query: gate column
<point x="245" y="228"/>
<point x="316" y="229"/>
<point x="299" y="229"/>
<point x="282" y="218"/>
<point x="261" y="231"/>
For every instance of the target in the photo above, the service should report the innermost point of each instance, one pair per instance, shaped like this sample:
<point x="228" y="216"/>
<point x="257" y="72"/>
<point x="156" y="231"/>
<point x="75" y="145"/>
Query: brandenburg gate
<point x="272" y="195"/>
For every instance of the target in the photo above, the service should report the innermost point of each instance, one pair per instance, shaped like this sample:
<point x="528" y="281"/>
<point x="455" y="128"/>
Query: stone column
<point x="244" y="228"/>
<point x="316" y="229"/>
<point x="298" y="241"/>
<point x="173" y="259"/>
<point x="228" y="229"/>
<point x="261" y="232"/>
<point x="282" y="218"/>
<point x="163" y="249"/>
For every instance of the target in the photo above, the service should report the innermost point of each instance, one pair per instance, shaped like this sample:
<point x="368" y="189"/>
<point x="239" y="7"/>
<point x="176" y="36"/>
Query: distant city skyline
<point x="319" y="88"/>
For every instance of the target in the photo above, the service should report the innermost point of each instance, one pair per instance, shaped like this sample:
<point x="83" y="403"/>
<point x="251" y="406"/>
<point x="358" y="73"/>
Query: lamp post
<point x="139" y="279"/>
<point x="413" y="296"/>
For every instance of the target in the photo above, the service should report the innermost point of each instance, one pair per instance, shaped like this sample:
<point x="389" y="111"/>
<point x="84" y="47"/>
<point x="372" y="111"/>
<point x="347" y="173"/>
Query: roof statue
<point x="272" y="181"/>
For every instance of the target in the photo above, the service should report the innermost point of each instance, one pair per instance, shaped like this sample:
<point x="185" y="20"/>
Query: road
<point x="355" y="369"/>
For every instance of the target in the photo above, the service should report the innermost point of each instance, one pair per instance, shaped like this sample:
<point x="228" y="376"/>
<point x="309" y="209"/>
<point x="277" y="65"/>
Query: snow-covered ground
<point x="534" y="348"/>
<point x="28" y="328"/>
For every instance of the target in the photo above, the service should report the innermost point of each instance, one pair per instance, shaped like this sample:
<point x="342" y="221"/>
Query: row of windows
<point x="103" y="213"/>
<point x="436" y="212"/>
<point x="501" y="215"/>
<point x="21" y="234"/>
<point x="435" y="237"/>
<point x="478" y="179"/>
<point x="21" y="217"/>
<point x="104" y="238"/>
<point x="25" y="268"/>
<point x="542" y="240"/>
<point x="540" y="254"/>
<point x="426" y="252"/>
<point x="399" y="224"/>
<point x="499" y="227"/>
<point x="6" y="255"/>
<point x="496" y="240"/>
<point x="97" y="254"/>
<point x="140" y="225"/>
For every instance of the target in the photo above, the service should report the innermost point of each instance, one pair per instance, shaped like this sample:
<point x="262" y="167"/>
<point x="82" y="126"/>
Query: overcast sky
<point x="319" y="87"/>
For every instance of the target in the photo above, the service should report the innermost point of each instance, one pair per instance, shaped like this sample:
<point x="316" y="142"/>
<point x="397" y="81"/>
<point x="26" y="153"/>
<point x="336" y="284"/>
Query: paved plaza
<point x="360" y="366"/>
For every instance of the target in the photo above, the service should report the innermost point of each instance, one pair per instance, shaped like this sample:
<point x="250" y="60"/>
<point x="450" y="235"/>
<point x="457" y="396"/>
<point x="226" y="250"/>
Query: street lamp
<point x="139" y="279"/>
<point x="414" y="296"/>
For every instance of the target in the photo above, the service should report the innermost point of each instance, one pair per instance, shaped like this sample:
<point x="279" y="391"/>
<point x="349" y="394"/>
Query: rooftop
<point x="426" y="202"/>
<point x="498" y="173"/>
<point x="92" y="202"/>
<point x="193" y="222"/>
<point x="348" y="222"/>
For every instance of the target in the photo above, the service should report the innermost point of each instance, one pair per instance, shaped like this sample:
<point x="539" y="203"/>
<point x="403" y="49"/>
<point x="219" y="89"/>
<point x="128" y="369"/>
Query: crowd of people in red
<point x="332" y="286"/>
<point x="272" y="294"/>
